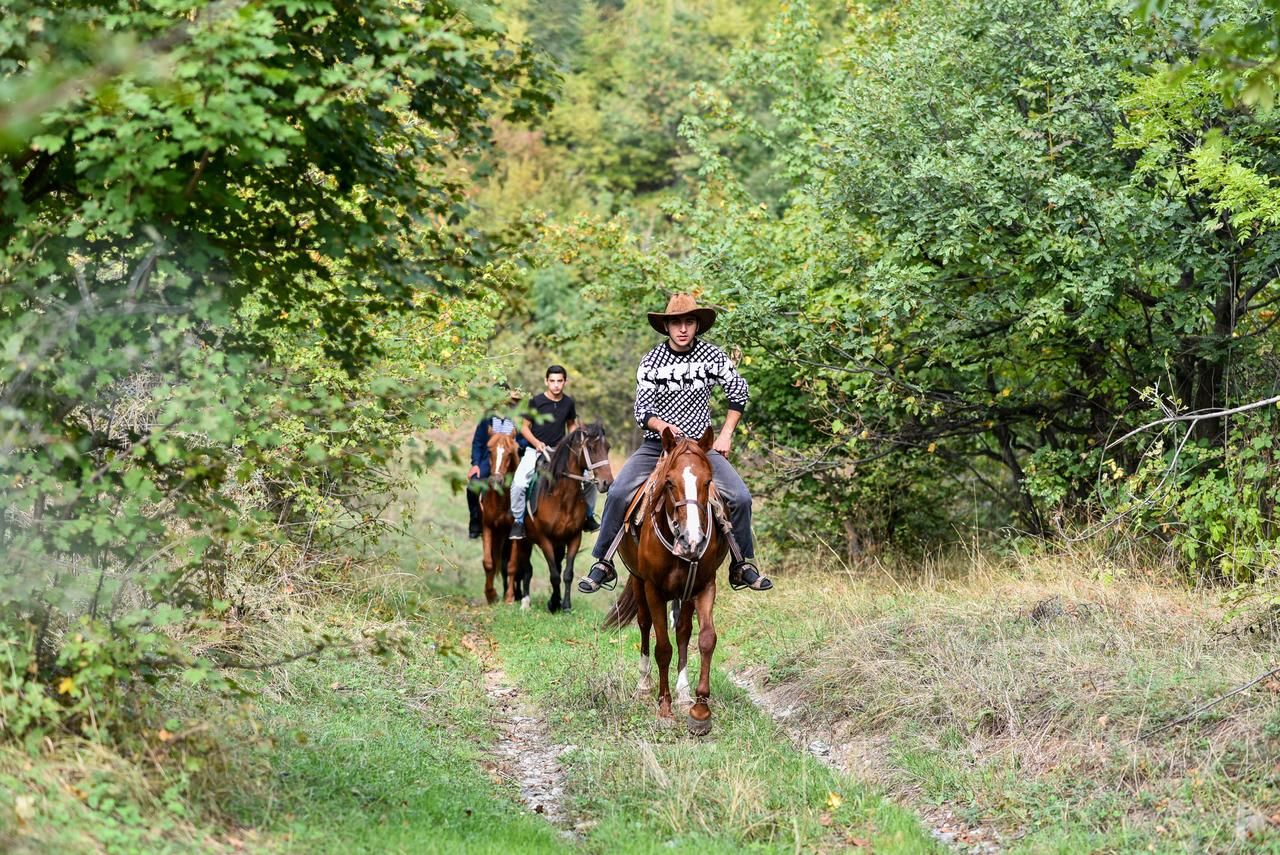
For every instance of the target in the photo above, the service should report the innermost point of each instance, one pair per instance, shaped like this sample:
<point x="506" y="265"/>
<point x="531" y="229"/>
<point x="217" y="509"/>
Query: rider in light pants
<point x="520" y="488"/>
<point x="556" y="417"/>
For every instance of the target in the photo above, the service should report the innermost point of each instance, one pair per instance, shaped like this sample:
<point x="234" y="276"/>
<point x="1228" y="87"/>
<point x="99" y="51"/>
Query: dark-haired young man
<point x="673" y="390"/>
<point x="552" y="417"/>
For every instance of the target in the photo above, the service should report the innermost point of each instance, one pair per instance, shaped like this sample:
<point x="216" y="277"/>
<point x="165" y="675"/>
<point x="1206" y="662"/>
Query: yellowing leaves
<point x="834" y="800"/>
<point x="66" y="686"/>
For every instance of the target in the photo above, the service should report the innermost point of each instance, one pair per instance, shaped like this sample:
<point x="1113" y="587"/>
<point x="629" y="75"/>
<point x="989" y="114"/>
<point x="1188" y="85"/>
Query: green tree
<point x="231" y="236"/>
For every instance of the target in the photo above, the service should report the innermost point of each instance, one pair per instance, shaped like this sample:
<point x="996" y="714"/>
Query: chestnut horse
<point x="679" y="549"/>
<point x="495" y="513"/>
<point x="580" y="461"/>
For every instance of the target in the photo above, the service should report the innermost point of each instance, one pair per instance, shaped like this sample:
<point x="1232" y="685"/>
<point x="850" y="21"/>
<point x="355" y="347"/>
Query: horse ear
<point x="708" y="438"/>
<point x="668" y="438"/>
<point x="490" y="430"/>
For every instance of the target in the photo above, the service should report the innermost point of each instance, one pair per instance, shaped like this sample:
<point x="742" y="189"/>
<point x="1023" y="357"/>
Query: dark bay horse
<point x="581" y="460"/>
<point x="676" y="556"/>
<point x="495" y="514"/>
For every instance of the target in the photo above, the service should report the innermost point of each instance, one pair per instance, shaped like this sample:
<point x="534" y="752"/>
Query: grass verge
<point x="342" y="754"/>
<point x="646" y="788"/>
<point x="1019" y="694"/>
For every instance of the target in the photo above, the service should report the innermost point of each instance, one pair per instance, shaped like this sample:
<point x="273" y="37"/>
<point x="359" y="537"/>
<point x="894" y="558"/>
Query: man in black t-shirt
<point x="552" y="417"/>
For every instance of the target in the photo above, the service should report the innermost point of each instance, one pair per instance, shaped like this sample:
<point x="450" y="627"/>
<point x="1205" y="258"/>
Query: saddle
<point x="641" y="502"/>
<point x="539" y="483"/>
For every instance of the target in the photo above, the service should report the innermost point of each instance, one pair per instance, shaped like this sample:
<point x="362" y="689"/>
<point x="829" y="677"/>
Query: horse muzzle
<point x="686" y="549"/>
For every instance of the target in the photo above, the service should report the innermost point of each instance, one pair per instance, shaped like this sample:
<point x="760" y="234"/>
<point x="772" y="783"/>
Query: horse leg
<point x="700" y="712"/>
<point x="548" y="553"/>
<point x="645" y="621"/>
<point x="684" y="627"/>
<point x="525" y="574"/>
<point x="511" y="572"/>
<point x="571" y="552"/>
<point x="664" y="653"/>
<point x="554" y="559"/>
<point x="488" y="547"/>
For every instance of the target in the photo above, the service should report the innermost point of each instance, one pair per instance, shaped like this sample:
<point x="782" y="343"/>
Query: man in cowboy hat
<point x="673" y="390"/>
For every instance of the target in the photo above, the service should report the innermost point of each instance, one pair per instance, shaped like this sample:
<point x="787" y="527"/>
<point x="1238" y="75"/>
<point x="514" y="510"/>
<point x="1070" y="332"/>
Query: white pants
<point x="520" y="482"/>
<point x="520" y="486"/>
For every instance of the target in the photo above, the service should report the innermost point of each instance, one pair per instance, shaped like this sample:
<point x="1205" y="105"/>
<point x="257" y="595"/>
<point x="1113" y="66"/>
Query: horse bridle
<point x="496" y="477"/>
<point x="589" y="467"/>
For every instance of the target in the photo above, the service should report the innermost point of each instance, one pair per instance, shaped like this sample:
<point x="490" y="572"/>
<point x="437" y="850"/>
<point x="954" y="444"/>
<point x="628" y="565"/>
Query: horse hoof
<point x="699" y="728"/>
<point x="524" y="604"/>
<point x="566" y="609"/>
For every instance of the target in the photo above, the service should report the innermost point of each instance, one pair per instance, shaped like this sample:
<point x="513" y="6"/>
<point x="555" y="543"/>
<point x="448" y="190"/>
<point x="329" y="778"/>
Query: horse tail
<point x="626" y="607"/>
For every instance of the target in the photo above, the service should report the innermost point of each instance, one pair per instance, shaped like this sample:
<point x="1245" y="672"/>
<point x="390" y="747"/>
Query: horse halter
<point x="497" y="475"/>
<point x="673" y="525"/>
<point x="589" y="467"/>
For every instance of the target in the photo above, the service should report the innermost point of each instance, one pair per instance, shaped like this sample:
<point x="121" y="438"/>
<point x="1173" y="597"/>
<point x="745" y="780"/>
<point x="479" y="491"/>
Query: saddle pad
<point x="537" y="486"/>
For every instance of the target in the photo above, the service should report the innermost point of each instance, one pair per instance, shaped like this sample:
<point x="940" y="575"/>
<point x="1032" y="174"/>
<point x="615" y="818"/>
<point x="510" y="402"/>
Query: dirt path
<point x="525" y="752"/>
<point x="782" y="705"/>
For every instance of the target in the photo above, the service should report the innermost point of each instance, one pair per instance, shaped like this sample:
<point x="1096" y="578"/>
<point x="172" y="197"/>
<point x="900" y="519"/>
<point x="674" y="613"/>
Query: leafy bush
<point x="233" y="282"/>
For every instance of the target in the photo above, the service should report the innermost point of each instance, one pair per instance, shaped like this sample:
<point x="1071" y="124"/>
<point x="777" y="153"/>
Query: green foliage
<point x="234" y="280"/>
<point x="958" y="260"/>
<point x="1240" y="43"/>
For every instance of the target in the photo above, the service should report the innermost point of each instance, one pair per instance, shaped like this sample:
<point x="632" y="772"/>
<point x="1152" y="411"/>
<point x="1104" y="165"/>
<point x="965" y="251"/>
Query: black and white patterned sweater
<point x="676" y="387"/>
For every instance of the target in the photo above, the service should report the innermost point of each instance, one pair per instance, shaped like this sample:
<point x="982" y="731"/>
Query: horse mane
<point x="559" y="466"/>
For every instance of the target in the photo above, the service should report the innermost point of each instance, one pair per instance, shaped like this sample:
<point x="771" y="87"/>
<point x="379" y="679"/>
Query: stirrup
<point x="601" y="575"/>
<point x="746" y="575"/>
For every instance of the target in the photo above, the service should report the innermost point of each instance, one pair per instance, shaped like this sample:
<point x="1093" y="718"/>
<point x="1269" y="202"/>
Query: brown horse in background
<point x="676" y="556"/>
<point x="495" y="513"/>
<point x="580" y="461"/>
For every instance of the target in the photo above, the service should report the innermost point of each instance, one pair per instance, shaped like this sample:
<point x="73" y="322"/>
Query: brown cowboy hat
<point x="679" y="306"/>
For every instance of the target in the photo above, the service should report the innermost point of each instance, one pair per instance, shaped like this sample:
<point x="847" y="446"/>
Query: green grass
<point x="649" y="788"/>
<point x="388" y="761"/>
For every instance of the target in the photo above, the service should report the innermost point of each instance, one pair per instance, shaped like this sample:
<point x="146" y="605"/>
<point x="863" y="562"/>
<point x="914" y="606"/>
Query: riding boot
<point x="473" y="511"/>
<point x="602" y="574"/>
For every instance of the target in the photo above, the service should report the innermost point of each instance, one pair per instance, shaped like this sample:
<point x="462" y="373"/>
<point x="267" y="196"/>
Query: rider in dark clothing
<point x="551" y="417"/>
<point x="479" y="470"/>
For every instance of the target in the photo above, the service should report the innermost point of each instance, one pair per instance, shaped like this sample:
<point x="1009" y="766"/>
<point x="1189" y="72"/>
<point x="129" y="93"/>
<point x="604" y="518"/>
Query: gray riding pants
<point x="733" y="491"/>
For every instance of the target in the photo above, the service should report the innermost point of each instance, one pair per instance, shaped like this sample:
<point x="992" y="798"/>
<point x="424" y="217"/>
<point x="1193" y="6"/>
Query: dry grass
<point x="1020" y="690"/>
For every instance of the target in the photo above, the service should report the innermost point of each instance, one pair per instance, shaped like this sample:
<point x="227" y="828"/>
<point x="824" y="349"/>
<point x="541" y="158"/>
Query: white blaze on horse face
<point x="691" y="495"/>
<point x="497" y="467"/>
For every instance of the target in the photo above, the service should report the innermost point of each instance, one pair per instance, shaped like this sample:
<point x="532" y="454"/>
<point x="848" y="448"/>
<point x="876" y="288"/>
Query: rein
<point x="691" y="574"/>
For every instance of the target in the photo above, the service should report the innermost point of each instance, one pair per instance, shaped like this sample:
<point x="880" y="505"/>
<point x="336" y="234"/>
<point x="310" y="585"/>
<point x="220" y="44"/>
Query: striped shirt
<point x="676" y="387"/>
